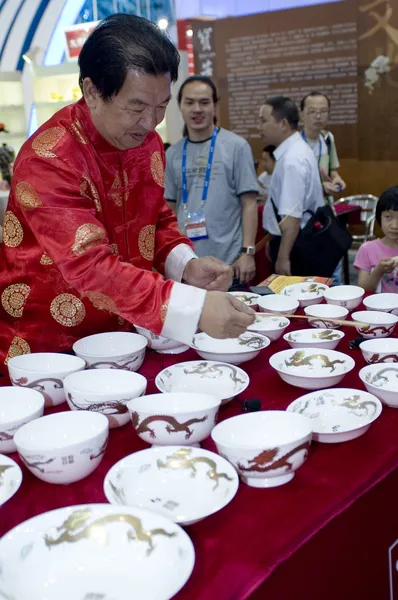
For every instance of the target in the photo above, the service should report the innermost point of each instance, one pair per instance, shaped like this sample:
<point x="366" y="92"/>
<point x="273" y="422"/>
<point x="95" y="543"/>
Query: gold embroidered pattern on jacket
<point x="77" y="130"/>
<point x="67" y="310"/>
<point x="146" y="242"/>
<point x="27" y="195"/>
<point x="101" y="301"/>
<point x="157" y="168"/>
<point x="88" y="190"/>
<point x="87" y="236"/>
<point x="47" y="140"/>
<point x="45" y="259"/>
<point x="18" y="346"/>
<point x="14" y="297"/>
<point x="115" y="249"/>
<point x="163" y="311"/>
<point x="12" y="230"/>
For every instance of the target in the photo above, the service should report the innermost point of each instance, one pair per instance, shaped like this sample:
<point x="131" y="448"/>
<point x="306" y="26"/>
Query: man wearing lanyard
<point x="211" y="182"/>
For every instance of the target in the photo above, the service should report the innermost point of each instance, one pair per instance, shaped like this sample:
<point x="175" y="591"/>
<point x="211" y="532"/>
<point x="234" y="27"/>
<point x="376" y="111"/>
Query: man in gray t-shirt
<point x="230" y="209"/>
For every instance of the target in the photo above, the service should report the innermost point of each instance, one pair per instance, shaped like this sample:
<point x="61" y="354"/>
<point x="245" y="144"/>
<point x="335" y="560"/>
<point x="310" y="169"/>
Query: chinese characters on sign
<point x="75" y="37"/>
<point x="206" y="54"/>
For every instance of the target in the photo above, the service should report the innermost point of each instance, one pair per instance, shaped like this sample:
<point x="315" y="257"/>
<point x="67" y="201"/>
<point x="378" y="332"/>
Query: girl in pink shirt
<point x="377" y="261"/>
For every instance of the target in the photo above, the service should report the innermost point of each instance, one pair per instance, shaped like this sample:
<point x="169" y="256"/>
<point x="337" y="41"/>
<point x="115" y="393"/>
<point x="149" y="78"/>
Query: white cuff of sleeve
<point x="177" y="260"/>
<point x="183" y="313"/>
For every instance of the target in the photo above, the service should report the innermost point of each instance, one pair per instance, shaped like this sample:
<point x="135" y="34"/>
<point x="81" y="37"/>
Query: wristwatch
<point x="251" y="250"/>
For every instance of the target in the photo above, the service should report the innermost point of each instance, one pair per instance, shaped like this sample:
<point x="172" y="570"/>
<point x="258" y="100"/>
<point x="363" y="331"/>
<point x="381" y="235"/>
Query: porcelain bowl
<point x="204" y="376"/>
<point x="307" y="293"/>
<point x="382" y="381"/>
<point x="382" y="302"/>
<point x="117" y="350"/>
<point x="231" y="350"/>
<point x="338" y="415"/>
<point x="323" y="312"/>
<point x="95" y="551"/>
<point x="247" y="298"/>
<point x="271" y="327"/>
<point x="169" y="419"/>
<point x="348" y="296"/>
<point x="18" y="406"/>
<point x="44" y="372"/>
<point x="312" y="369"/>
<point x="380" y="350"/>
<point x="106" y="391"/>
<point x="310" y="338"/>
<point x="184" y="485"/>
<point x="10" y="478"/>
<point x="63" y="447"/>
<point x="265" y="447"/>
<point x="276" y="303"/>
<point x="161" y="344"/>
<point x="380" y="324"/>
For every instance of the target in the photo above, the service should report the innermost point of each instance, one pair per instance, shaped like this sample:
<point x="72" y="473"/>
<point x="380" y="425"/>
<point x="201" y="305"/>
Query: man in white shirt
<point x="295" y="187"/>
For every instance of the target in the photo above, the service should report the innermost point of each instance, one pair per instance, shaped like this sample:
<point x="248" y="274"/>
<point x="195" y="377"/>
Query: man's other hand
<point x="208" y="273"/>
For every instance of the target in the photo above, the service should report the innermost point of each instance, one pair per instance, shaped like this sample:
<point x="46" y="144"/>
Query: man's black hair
<point x="314" y="94"/>
<point x="284" y="108"/>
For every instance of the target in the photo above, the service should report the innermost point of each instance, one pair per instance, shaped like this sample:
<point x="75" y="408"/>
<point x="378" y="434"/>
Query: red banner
<point x="75" y="36"/>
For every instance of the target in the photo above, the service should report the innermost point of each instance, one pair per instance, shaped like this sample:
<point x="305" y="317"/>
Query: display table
<point x="324" y="535"/>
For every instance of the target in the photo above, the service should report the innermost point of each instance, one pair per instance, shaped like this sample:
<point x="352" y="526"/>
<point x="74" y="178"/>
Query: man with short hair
<point x="295" y="186"/>
<point x="87" y="222"/>
<point x="268" y="162"/>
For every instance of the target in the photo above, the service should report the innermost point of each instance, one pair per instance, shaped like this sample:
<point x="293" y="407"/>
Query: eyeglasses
<point x="311" y="112"/>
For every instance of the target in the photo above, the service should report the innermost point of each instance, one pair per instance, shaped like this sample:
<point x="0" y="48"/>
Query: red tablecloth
<point x="238" y="548"/>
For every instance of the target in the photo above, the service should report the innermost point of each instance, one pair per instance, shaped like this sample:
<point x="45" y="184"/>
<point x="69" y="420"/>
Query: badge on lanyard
<point x="195" y="222"/>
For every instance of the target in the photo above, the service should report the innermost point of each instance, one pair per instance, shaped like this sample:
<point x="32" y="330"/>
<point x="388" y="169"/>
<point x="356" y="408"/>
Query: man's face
<point x="126" y="119"/>
<point x="316" y="113"/>
<point x="271" y="131"/>
<point x="197" y="107"/>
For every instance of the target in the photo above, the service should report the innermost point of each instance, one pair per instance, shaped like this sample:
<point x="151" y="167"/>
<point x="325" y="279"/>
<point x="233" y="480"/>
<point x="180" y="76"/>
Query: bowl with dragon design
<point x="184" y="418"/>
<point x="374" y="323"/>
<point x="248" y="298"/>
<point x="323" y="312"/>
<point x="385" y="302"/>
<point x="10" y="478"/>
<point x="204" y="376"/>
<point x="311" y="368"/>
<point x="106" y="391"/>
<point x="380" y="350"/>
<point x="114" y="350"/>
<point x="44" y="372"/>
<point x="95" y="552"/>
<point x="230" y="350"/>
<point x="270" y="326"/>
<point x="63" y="447"/>
<point x="382" y="381"/>
<point x="161" y="344"/>
<point x="339" y="414"/>
<point x="276" y="303"/>
<point x="314" y="338"/>
<point x="18" y="406"/>
<point x="184" y="484"/>
<point x="348" y="296"/>
<point x="266" y="447"/>
<point x="306" y="293"/>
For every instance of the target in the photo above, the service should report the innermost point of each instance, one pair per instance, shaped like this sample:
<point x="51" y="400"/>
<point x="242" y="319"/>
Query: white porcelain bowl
<point x="348" y="296"/>
<point x="18" y="406"/>
<point x="271" y="327"/>
<point x="231" y="350"/>
<point x="307" y="293"/>
<point x="310" y="338"/>
<point x="63" y="447"/>
<point x="169" y="419"/>
<point x="323" y="312"/>
<point x="44" y="372"/>
<point x="338" y="415"/>
<point x="379" y="324"/>
<point x="10" y="478"/>
<point x="383" y="302"/>
<point x="106" y="391"/>
<point x="310" y="368"/>
<point x="382" y="381"/>
<point x="117" y="350"/>
<point x="161" y="344"/>
<point x="265" y="447"/>
<point x="95" y="551"/>
<point x="184" y="485"/>
<point x="247" y="298"/>
<point x="203" y="376"/>
<point x="380" y="350"/>
<point x="276" y="303"/>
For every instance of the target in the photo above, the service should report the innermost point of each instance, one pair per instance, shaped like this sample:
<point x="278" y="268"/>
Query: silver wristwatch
<point x="251" y="250"/>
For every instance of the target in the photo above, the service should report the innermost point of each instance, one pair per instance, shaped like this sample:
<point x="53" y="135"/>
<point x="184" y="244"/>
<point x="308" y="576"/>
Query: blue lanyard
<point x="320" y="146"/>
<point x="208" y="169"/>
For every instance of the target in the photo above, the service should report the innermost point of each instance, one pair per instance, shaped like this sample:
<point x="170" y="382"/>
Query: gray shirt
<point x="232" y="175"/>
